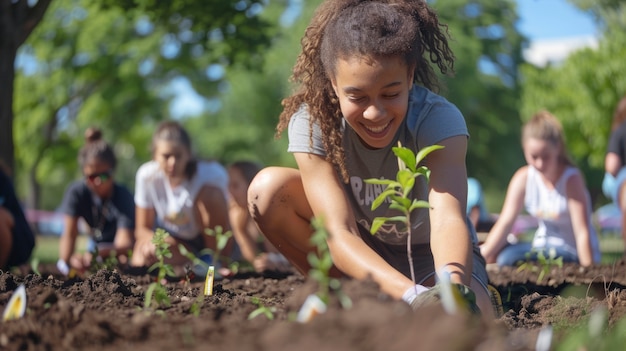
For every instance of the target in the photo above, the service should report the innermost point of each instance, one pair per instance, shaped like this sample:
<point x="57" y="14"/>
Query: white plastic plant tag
<point x="208" y="282"/>
<point x="448" y="298"/>
<point x="311" y="307"/>
<point x="17" y="304"/>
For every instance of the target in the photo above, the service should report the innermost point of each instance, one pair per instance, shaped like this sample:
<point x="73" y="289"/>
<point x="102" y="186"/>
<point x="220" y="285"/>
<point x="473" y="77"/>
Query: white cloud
<point x="542" y="51"/>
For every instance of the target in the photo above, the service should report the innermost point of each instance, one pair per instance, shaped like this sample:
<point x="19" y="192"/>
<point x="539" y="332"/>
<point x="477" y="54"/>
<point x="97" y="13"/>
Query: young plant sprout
<point x="545" y="263"/>
<point x="156" y="290"/>
<point x="398" y="191"/>
<point x="321" y="263"/>
<point x="261" y="309"/>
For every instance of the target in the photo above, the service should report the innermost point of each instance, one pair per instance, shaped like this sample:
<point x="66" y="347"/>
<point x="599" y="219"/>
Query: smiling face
<point x="373" y="96"/>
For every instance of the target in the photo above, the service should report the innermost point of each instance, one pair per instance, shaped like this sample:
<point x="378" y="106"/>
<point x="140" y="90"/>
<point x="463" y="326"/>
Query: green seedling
<point x="221" y="240"/>
<point x="34" y="265"/>
<point x="543" y="264"/>
<point x="261" y="309"/>
<point x="97" y="262"/>
<point x="321" y="263"/>
<point x="157" y="293"/>
<point x="398" y="191"/>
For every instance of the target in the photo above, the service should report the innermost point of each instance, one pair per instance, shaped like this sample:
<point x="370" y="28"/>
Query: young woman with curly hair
<point x="366" y="82"/>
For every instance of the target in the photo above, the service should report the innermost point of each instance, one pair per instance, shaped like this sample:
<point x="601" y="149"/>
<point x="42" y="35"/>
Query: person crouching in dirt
<point x="106" y="206"/>
<point x="181" y="195"/>
<point x="365" y="80"/>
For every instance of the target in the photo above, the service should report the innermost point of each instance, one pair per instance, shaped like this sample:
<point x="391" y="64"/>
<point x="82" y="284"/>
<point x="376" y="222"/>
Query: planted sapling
<point x="398" y="191"/>
<point x="157" y="292"/>
<point x="321" y="263"/>
<point x="261" y="309"/>
<point x="543" y="264"/>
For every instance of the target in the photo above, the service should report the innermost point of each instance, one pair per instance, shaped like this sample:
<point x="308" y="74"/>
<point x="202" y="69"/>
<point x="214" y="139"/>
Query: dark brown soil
<point x="105" y="311"/>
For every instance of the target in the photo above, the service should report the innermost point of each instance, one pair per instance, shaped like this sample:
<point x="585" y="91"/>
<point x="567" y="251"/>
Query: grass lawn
<point x="47" y="248"/>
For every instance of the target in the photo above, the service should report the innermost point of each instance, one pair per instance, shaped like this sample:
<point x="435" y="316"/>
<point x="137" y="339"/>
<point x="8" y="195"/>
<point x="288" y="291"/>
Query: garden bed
<point x="105" y="311"/>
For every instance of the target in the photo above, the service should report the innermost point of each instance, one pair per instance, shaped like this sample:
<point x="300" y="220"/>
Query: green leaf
<point x="381" y="198"/>
<point x="377" y="223"/>
<point x="419" y="204"/>
<point x="407" y="156"/>
<point x="404" y="202"/>
<point x="314" y="261"/>
<point x="425" y="151"/>
<point x="378" y="181"/>
<point x="406" y="180"/>
<point x="397" y="219"/>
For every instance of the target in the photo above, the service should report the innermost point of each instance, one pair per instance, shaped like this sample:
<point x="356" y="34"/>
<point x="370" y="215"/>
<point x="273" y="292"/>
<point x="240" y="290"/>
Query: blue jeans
<point x="513" y="254"/>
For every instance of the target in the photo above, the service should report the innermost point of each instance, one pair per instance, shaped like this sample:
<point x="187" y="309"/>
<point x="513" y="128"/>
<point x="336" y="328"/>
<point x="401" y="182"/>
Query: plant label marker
<point x="17" y="304"/>
<point x="311" y="307"/>
<point x="208" y="283"/>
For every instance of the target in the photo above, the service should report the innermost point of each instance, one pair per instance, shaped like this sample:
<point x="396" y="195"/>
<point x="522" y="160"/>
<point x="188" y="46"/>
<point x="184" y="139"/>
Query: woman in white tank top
<point x="552" y="190"/>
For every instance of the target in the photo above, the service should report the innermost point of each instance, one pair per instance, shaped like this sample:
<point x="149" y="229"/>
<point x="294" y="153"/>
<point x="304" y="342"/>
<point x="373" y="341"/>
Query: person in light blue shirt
<point x="476" y="209"/>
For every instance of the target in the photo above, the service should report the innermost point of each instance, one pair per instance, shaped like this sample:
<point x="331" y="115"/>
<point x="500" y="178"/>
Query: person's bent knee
<point x="267" y="178"/>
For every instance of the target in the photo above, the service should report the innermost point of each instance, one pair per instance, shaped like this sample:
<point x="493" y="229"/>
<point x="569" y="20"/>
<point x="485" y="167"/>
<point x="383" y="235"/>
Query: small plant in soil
<point x="321" y="263"/>
<point x="109" y="263"/>
<point x="543" y="264"/>
<point x="398" y="191"/>
<point x="156" y="294"/>
<point x="261" y="309"/>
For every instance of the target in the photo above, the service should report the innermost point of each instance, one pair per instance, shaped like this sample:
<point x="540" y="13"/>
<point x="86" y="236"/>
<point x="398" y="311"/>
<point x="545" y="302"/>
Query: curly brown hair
<point x="340" y="29"/>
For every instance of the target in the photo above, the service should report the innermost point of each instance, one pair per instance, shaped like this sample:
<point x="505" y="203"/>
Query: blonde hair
<point x="545" y="126"/>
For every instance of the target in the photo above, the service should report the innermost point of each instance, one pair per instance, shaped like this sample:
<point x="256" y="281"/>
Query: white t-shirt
<point x="174" y="206"/>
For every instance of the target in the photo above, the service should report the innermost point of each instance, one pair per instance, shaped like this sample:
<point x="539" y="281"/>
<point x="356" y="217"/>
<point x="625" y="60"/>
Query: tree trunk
<point x="8" y="50"/>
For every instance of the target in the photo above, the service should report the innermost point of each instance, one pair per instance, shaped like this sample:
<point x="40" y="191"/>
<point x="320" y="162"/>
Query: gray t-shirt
<point x="430" y="119"/>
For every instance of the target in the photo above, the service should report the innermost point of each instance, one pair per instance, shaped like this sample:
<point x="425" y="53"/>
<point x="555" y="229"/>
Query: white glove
<point x="412" y="293"/>
<point x="63" y="267"/>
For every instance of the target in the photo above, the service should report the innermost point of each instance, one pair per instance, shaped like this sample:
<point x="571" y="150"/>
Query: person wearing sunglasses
<point x="107" y="207"/>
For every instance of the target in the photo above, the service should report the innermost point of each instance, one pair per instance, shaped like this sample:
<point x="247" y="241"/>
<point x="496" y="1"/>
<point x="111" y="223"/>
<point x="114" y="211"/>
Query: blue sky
<point x="549" y="19"/>
<point x="555" y="28"/>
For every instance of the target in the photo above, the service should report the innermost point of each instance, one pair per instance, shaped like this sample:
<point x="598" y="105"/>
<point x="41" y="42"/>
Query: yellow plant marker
<point x="17" y="304"/>
<point x="208" y="283"/>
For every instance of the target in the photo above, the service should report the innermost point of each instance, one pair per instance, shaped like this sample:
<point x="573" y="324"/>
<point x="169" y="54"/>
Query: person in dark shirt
<point x="16" y="237"/>
<point x="107" y="207"/>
